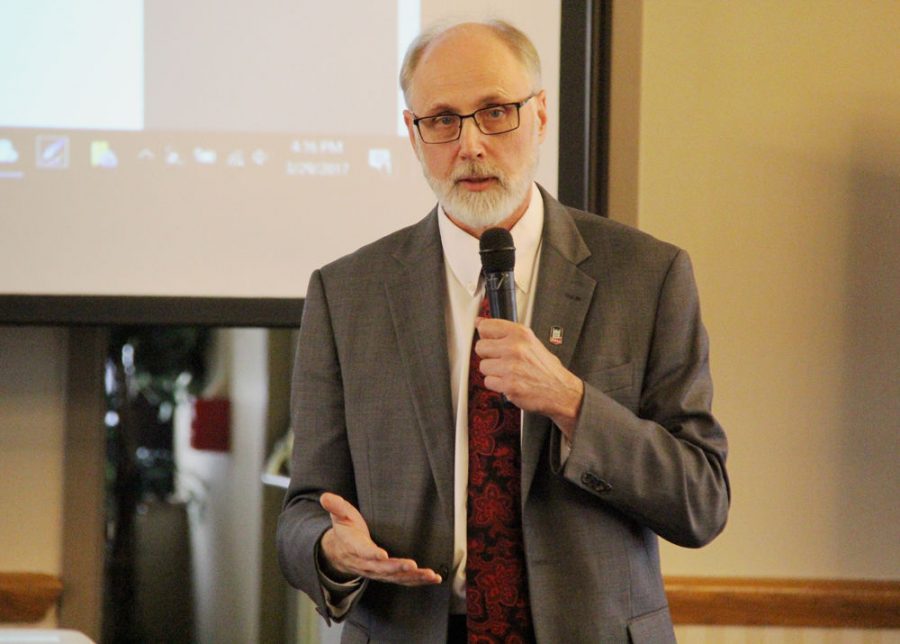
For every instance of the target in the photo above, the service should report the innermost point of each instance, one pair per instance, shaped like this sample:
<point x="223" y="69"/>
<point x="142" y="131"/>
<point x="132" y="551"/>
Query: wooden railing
<point x="26" y="597"/>
<point x="784" y="602"/>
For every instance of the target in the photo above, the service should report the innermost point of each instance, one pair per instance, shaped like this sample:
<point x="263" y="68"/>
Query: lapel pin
<point x="556" y="335"/>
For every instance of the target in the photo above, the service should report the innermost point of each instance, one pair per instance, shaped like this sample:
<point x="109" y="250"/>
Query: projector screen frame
<point x="585" y="52"/>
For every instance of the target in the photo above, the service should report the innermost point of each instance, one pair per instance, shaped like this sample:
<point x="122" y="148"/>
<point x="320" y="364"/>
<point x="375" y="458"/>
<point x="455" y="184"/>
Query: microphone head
<point x="498" y="254"/>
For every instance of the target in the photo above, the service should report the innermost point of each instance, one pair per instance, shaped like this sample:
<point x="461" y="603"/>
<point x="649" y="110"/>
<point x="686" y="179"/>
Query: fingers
<point x="350" y="532"/>
<point x="368" y="560"/>
<point x="492" y="328"/>
<point x="399" y="571"/>
<point x="339" y="508"/>
<point x="510" y="350"/>
<point x="349" y="549"/>
<point x="515" y="363"/>
<point x="505" y="339"/>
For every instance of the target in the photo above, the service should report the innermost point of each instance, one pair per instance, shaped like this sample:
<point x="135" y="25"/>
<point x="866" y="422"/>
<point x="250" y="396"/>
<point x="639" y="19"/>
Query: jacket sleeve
<point x="321" y="459"/>
<point x="664" y="466"/>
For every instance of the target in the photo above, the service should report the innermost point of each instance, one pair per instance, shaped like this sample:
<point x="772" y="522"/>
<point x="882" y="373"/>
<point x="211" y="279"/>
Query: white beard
<point x="485" y="208"/>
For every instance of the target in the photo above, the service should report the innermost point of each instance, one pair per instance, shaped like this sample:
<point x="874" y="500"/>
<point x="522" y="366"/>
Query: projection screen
<point x="213" y="148"/>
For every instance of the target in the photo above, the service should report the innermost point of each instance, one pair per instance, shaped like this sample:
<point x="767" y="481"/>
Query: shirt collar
<point x="461" y="249"/>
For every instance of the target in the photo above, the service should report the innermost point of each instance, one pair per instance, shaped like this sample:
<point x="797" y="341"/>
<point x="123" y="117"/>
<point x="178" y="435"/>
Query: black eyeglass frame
<point x="462" y="117"/>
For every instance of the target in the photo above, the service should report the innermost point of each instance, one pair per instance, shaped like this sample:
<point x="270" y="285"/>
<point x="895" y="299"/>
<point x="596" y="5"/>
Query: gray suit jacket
<point x="373" y="422"/>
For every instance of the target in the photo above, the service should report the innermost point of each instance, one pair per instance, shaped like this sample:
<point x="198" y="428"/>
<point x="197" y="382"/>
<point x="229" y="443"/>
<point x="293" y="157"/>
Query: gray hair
<point x="519" y="44"/>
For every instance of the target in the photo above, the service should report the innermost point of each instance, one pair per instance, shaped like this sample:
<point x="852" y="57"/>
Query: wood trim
<point x="825" y="603"/>
<point x="822" y="603"/>
<point x="27" y="596"/>
<point x="84" y="479"/>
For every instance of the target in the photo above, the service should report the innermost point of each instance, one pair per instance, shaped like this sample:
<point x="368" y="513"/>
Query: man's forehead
<point x="466" y="70"/>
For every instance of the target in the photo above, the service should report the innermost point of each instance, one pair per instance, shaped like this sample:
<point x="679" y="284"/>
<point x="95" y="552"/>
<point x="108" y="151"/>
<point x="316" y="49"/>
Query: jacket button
<point x="595" y="483"/>
<point x="443" y="571"/>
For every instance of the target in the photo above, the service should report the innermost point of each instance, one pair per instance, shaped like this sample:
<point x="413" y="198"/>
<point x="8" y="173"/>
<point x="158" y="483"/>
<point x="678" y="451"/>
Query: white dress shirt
<point x="465" y="291"/>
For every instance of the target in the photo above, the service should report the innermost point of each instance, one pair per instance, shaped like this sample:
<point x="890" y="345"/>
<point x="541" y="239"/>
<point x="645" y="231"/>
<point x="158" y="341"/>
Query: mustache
<point x="477" y="170"/>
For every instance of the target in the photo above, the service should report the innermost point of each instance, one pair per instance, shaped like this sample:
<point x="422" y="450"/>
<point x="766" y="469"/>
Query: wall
<point x="770" y="149"/>
<point x="32" y="420"/>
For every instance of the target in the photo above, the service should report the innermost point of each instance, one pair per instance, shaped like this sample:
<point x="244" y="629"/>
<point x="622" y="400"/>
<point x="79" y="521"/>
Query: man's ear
<point x="541" y="112"/>
<point x="411" y="129"/>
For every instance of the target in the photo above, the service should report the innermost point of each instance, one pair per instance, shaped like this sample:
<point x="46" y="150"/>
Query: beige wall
<point x="770" y="149"/>
<point x="32" y="420"/>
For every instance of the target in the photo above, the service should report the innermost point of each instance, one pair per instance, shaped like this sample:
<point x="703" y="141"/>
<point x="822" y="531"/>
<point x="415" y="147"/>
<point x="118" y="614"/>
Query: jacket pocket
<point x="652" y="628"/>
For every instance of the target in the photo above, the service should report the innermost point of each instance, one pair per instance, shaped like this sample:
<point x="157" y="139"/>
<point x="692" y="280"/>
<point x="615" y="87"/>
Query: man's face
<point x="480" y="180"/>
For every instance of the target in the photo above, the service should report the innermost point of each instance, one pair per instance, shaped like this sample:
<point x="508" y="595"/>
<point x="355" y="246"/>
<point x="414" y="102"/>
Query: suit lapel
<point x="416" y="298"/>
<point x="563" y="297"/>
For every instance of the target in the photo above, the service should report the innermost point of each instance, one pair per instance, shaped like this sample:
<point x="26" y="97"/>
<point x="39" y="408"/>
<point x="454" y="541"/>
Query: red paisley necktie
<point x="496" y="586"/>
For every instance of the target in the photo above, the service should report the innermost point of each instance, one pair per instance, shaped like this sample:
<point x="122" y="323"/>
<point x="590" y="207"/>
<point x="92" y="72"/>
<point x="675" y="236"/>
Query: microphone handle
<point x="500" y="288"/>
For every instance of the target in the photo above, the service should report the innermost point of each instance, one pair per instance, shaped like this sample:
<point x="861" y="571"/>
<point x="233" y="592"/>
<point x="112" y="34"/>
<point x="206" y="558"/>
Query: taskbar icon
<point x="52" y="152"/>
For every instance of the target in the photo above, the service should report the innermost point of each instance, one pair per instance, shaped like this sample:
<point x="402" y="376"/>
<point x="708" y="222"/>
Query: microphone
<point x="498" y="259"/>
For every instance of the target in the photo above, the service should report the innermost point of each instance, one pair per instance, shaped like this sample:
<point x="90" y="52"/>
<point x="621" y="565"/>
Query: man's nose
<point x="470" y="139"/>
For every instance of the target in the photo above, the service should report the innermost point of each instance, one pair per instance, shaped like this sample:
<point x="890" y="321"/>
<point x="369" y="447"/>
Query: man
<point x="616" y="442"/>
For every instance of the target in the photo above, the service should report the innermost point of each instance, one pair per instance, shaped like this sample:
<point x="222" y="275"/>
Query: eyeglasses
<point x="444" y="128"/>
